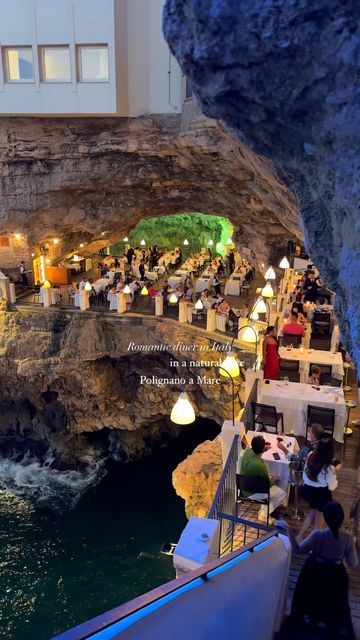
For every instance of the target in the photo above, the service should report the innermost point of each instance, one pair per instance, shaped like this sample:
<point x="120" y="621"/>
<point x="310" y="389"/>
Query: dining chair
<point x="327" y="379"/>
<point x="289" y="365"/>
<point x="323" y="416"/>
<point x="324" y="368"/>
<point x="267" y="416"/>
<point x="292" y="376"/>
<point x="249" y="486"/>
<point x="291" y="339"/>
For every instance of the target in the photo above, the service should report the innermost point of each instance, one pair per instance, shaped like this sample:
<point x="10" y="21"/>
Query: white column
<point x="250" y="376"/>
<point x="84" y="300"/>
<point x="12" y="292"/>
<point x="183" y="312"/>
<point x="46" y="296"/>
<point x="159" y="305"/>
<point x="228" y="432"/>
<point x="121" y="302"/>
<point x="5" y="287"/>
<point x="211" y="320"/>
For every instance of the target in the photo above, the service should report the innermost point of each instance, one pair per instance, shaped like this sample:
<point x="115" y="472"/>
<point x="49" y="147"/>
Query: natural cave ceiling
<point x="283" y="75"/>
<point x="74" y="179"/>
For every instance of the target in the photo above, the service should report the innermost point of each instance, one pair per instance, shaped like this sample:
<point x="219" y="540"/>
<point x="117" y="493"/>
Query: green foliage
<point x="171" y="231"/>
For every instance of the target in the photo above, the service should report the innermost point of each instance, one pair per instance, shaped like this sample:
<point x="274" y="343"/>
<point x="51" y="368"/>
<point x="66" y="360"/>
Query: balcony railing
<point x="111" y="624"/>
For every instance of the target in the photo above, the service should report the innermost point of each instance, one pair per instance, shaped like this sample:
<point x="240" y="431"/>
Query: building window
<point x="93" y="63"/>
<point x="19" y="66"/>
<point x="55" y="64"/>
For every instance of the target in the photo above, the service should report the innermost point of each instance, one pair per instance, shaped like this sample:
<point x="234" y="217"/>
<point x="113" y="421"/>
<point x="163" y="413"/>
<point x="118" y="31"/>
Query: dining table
<point x="292" y="400"/>
<point x="306" y="357"/>
<point x="278" y="466"/>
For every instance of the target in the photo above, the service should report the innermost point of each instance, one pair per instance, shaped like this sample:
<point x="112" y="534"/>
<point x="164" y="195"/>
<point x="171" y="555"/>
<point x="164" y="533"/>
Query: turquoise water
<point x="60" y="569"/>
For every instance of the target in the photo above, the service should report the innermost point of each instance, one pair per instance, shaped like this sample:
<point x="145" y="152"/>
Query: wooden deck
<point x="349" y="454"/>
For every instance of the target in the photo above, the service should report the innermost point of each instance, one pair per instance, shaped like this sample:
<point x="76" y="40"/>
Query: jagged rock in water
<point x="283" y="76"/>
<point x="196" y="478"/>
<point x="76" y="178"/>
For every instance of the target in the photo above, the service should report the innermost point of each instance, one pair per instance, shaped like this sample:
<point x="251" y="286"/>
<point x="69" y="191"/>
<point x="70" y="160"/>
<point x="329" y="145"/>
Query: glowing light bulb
<point x="56" y="241"/>
<point x="142" y="243"/>
<point x="284" y="264"/>
<point x="144" y="291"/>
<point x="186" y="243"/>
<point x="127" y="289"/>
<point x="260" y="306"/>
<point x="46" y="285"/>
<point x="267" y="291"/>
<point x="82" y="245"/>
<point x="173" y="299"/>
<point x="250" y="335"/>
<point x="199" y="305"/>
<point x="126" y="239"/>
<point x="182" y="411"/>
<point x="230" y="366"/>
<point x="270" y="274"/>
<point x="210" y="243"/>
<point x="88" y="286"/>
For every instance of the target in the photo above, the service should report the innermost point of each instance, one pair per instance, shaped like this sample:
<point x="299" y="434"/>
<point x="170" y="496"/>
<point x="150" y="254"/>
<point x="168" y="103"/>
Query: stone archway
<point x="77" y="179"/>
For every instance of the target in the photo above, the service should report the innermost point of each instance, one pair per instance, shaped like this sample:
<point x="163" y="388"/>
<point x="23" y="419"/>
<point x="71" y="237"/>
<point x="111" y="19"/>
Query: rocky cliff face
<point x="65" y="377"/>
<point x="283" y="77"/>
<point x="76" y="178"/>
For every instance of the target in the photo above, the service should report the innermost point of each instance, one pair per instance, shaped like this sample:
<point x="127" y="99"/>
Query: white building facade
<point x="86" y="57"/>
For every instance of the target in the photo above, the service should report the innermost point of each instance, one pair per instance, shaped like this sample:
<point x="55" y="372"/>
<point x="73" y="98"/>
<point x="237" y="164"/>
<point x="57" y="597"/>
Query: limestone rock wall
<point x="74" y="179"/>
<point x="283" y="77"/>
<point x="196" y="479"/>
<point x="65" y="376"/>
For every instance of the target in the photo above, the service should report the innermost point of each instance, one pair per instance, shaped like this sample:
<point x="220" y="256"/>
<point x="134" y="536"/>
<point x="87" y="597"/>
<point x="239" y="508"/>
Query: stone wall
<point x="12" y="255"/>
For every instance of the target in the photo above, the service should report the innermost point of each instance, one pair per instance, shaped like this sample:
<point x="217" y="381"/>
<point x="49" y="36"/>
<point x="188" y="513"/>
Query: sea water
<point x="73" y="545"/>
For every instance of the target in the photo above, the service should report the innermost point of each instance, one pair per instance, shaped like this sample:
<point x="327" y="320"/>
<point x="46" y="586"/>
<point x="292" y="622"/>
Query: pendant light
<point x="267" y="291"/>
<point x="210" y="243"/>
<point x="173" y="299"/>
<point x="126" y="239"/>
<point x="127" y="290"/>
<point x="142" y="243"/>
<point x="183" y="411"/>
<point x="230" y="367"/>
<point x="284" y="264"/>
<point x="46" y="285"/>
<point x="88" y="287"/>
<point x="186" y="243"/>
<point x="270" y="274"/>
<point x="260" y="306"/>
<point x="199" y="305"/>
<point x="144" y="291"/>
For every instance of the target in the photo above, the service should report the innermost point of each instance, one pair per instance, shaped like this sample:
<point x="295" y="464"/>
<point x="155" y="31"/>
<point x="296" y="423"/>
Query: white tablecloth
<point x="174" y="281"/>
<point x="151" y="275"/>
<point x="77" y="300"/>
<point x="314" y="356"/>
<point x="202" y="284"/>
<point x="279" y="468"/>
<point x="335" y="338"/>
<point x="55" y="296"/>
<point x="112" y="298"/>
<point x="293" y="398"/>
<point x="232" y="287"/>
<point x="101" y="284"/>
<point x="160" y="270"/>
<point x="220" y="322"/>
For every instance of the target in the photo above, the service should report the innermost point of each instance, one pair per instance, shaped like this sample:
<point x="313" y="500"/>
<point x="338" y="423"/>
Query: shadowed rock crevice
<point x="283" y="77"/>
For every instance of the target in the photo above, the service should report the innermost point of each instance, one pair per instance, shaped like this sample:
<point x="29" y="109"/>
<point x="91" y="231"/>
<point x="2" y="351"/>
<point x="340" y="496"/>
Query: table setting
<point x="293" y="398"/>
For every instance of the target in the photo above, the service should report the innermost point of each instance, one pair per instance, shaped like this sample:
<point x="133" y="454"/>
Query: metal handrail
<point x="213" y="511"/>
<point x="204" y="574"/>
